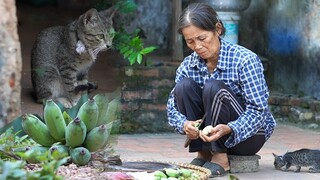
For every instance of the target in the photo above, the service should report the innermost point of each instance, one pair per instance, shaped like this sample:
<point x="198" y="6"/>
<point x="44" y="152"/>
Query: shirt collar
<point x="196" y="61"/>
<point x="222" y="61"/>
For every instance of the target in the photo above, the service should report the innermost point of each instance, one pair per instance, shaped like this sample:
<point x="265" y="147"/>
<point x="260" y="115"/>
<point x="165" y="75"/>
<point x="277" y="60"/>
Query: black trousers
<point x="216" y="104"/>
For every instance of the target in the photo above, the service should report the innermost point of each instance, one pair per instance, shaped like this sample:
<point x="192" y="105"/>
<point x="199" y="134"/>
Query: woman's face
<point x="205" y="43"/>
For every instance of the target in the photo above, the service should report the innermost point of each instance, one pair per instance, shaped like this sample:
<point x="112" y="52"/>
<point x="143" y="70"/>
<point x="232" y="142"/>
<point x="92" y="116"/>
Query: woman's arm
<point x="255" y="93"/>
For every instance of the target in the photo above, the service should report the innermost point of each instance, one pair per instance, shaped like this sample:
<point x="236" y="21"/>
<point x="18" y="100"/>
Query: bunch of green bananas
<point x="176" y="174"/>
<point x="77" y="137"/>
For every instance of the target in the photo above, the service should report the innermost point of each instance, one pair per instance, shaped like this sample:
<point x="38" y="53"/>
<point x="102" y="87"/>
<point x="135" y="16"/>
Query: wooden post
<point x="177" y="47"/>
<point x="10" y="63"/>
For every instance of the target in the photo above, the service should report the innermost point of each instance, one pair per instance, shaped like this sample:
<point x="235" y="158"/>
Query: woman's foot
<point x="202" y="158"/>
<point x="215" y="169"/>
<point x="218" y="164"/>
<point x="198" y="162"/>
<point x="220" y="159"/>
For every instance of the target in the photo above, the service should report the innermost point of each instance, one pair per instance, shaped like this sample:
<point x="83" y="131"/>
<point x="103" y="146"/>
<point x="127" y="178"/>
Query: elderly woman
<point x="219" y="84"/>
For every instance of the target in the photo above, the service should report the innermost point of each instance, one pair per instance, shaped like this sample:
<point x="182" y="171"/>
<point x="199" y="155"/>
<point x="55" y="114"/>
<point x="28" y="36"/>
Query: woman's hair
<point x="202" y="16"/>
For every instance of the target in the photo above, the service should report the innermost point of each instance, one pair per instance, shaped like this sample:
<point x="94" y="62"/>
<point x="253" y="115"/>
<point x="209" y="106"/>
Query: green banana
<point x="75" y="133"/>
<point x="32" y="153"/>
<point x="102" y="102"/>
<point x="58" y="151"/>
<point x="185" y="172"/>
<point x="88" y="113"/>
<point x="195" y="176"/>
<point x="113" y="111"/>
<point x="37" y="130"/>
<point x="159" y="174"/>
<point x="172" y="172"/>
<point x="67" y="118"/>
<point x="80" y="156"/>
<point x="54" y="120"/>
<point x="96" y="138"/>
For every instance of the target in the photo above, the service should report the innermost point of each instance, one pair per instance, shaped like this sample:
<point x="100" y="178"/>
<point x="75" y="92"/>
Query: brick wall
<point x="300" y="111"/>
<point x="144" y="96"/>
<point x="145" y="91"/>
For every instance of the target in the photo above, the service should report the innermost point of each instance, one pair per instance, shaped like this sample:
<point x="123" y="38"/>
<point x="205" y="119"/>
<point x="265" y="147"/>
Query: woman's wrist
<point x="184" y="126"/>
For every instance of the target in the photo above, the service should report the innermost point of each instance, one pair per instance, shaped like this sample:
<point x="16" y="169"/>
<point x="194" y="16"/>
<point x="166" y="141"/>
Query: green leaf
<point x="128" y="53"/>
<point x="139" y="58"/>
<point x="148" y="50"/>
<point x="133" y="58"/>
<point x="18" y="173"/>
<point x="136" y="42"/>
<point x="126" y="6"/>
<point x="124" y="49"/>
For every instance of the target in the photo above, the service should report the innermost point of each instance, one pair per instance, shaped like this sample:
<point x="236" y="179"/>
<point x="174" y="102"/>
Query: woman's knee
<point x="214" y="86"/>
<point x="185" y="85"/>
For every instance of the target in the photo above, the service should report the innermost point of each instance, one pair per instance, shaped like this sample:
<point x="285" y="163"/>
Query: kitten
<point x="62" y="56"/>
<point x="299" y="158"/>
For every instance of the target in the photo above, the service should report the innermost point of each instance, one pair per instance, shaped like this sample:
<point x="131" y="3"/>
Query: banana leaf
<point x="17" y="127"/>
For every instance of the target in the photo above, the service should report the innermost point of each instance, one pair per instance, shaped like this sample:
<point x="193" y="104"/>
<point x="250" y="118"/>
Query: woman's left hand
<point x="216" y="132"/>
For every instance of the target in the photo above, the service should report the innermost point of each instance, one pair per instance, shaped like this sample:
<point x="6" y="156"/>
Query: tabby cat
<point x="62" y="56"/>
<point x="299" y="158"/>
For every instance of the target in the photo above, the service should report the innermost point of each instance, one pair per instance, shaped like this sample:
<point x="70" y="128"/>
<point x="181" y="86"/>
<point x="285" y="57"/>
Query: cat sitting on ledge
<point x="299" y="158"/>
<point x="62" y="56"/>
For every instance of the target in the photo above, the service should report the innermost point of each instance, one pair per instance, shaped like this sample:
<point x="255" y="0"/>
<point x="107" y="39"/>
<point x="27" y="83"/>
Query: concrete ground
<point x="169" y="148"/>
<point x="163" y="147"/>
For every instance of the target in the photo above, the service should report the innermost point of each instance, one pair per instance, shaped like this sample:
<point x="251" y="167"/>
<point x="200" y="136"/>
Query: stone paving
<point x="169" y="148"/>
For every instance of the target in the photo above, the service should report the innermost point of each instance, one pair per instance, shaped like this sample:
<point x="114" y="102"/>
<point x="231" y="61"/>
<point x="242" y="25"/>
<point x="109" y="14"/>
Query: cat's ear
<point x="274" y="154"/>
<point x="108" y="13"/>
<point x="90" y="17"/>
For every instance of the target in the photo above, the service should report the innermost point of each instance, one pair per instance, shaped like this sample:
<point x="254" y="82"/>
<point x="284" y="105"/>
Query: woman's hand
<point x="191" y="129"/>
<point x="216" y="132"/>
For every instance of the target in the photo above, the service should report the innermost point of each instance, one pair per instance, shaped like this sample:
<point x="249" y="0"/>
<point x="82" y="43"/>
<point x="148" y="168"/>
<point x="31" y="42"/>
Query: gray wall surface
<point x="287" y="33"/>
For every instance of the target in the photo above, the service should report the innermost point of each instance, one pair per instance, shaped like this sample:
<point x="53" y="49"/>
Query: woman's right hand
<point x="191" y="128"/>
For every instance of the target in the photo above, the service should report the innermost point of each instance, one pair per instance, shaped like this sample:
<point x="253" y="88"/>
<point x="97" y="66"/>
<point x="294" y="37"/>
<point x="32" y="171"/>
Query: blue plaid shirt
<point x="242" y="71"/>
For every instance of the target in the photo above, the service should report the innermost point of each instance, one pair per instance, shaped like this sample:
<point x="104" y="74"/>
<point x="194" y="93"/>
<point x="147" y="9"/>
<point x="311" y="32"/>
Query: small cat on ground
<point x="299" y="158"/>
<point x="62" y="56"/>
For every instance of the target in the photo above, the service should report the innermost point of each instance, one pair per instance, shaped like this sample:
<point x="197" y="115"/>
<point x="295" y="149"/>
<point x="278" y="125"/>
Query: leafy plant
<point x="12" y="164"/>
<point x="123" y="6"/>
<point x="16" y="169"/>
<point x="49" y="166"/>
<point x="12" y="170"/>
<point x="130" y="45"/>
<point x="9" y="141"/>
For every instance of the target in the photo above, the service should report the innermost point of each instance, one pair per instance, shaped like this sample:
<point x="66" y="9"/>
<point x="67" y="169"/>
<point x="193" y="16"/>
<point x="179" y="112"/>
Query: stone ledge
<point x="243" y="164"/>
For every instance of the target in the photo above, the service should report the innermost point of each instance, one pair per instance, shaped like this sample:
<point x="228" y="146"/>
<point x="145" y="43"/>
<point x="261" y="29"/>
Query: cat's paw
<point x="92" y="86"/>
<point x="75" y="99"/>
<point x="65" y="102"/>
<point x="81" y="82"/>
<point x="314" y="170"/>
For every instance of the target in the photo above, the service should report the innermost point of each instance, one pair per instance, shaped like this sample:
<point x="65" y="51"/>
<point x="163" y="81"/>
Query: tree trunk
<point x="10" y="63"/>
<point x="177" y="46"/>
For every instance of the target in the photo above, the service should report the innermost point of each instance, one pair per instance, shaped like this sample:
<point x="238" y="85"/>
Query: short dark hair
<point x="200" y="15"/>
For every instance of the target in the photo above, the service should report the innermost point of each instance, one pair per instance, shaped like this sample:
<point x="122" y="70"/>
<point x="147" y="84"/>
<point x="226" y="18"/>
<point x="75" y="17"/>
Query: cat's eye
<point x="100" y="36"/>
